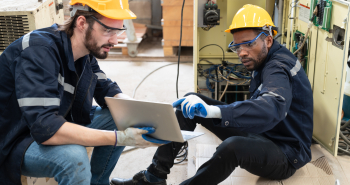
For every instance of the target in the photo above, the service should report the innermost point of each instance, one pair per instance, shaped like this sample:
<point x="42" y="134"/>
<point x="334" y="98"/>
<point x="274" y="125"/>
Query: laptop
<point x="161" y="116"/>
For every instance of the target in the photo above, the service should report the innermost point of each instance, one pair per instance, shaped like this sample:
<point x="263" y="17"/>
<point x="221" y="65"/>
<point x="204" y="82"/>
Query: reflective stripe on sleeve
<point x="273" y="94"/>
<point x="101" y="76"/>
<point x="296" y="68"/>
<point x="60" y="79"/>
<point x="25" y="41"/>
<point x="38" y="102"/>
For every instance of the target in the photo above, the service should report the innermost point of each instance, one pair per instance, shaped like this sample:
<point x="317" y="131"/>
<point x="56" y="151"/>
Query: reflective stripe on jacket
<point x="39" y="89"/>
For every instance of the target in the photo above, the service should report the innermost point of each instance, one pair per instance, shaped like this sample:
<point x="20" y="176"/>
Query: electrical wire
<point x="179" y="52"/>
<point x="223" y="52"/>
<point x="228" y="82"/>
<point x="133" y="94"/>
<point x="177" y="82"/>
<point x="295" y="5"/>
<point x="182" y="153"/>
<point x="344" y="140"/>
<point x="308" y="31"/>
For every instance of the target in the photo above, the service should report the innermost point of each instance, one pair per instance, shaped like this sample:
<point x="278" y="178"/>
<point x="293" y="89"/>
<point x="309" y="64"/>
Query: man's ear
<point x="269" y="41"/>
<point x="81" y="23"/>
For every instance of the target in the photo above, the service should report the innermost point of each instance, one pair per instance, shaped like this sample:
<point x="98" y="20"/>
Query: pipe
<point x="280" y="18"/>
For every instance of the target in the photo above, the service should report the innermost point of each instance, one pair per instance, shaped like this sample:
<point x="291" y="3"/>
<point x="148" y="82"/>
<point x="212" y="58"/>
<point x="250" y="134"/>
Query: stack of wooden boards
<point x="171" y="23"/>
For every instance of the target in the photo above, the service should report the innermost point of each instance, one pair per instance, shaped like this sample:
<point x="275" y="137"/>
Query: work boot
<point x="138" y="179"/>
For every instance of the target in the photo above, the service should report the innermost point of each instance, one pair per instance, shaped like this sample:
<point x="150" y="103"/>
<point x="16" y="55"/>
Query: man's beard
<point x="260" y="58"/>
<point x="94" y="49"/>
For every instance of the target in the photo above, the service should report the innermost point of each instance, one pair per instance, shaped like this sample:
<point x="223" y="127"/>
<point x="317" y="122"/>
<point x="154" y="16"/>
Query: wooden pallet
<point x="170" y="47"/>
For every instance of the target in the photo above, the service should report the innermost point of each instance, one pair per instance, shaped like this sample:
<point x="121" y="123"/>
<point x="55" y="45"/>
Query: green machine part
<point x="323" y="17"/>
<point x="303" y="54"/>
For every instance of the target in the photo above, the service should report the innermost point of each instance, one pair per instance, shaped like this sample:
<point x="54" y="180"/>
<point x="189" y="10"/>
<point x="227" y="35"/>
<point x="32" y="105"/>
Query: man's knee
<point x="76" y="163"/>
<point x="233" y="144"/>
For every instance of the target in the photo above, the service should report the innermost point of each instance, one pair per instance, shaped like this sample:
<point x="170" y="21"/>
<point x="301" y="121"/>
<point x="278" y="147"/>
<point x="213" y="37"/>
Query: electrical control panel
<point x="302" y="54"/>
<point x="322" y="16"/>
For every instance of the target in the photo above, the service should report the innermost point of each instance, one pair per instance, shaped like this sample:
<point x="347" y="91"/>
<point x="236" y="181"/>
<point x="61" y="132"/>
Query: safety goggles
<point x="246" y="46"/>
<point x="110" y="31"/>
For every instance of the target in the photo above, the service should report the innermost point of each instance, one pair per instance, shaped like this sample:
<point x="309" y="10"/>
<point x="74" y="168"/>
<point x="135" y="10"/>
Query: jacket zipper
<point x="75" y="90"/>
<point x="92" y="76"/>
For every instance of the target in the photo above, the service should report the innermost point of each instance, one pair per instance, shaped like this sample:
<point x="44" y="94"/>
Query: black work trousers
<point x="252" y="152"/>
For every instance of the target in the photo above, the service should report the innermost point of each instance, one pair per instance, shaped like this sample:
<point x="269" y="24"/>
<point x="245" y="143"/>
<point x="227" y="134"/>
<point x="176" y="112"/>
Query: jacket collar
<point x="67" y="45"/>
<point x="275" y="46"/>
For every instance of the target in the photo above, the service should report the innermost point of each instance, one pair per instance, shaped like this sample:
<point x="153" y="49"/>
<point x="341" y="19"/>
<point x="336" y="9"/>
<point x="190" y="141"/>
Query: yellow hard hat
<point x="252" y="16"/>
<point x="114" y="9"/>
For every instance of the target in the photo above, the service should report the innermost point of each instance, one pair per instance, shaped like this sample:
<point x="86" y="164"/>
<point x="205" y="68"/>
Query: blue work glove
<point x="151" y="130"/>
<point x="192" y="106"/>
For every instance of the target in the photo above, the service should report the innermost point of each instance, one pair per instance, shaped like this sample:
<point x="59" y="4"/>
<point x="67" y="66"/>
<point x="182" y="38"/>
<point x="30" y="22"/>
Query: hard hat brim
<point x="119" y="14"/>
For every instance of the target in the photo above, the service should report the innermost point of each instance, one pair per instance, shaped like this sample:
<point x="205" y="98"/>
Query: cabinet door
<point x="329" y="81"/>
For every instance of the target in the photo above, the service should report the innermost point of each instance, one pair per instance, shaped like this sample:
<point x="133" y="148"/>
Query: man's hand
<point x="133" y="137"/>
<point x="192" y="106"/>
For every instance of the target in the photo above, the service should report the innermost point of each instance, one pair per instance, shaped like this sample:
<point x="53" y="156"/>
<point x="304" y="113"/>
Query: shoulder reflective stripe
<point x="38" y="102"/>
<point x="101" y="76"/>
<point x="273" y="94"/>
<point x="286" y="114"/>
<point x="296" y="68"/>
<point x="260" y="87"/>
<point x="69" y="88"/>
<point x="25" y="41"/>
<point x="60" y="79"/>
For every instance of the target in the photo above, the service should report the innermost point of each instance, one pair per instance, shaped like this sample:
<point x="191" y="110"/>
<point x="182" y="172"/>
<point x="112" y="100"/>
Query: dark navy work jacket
<point x="39" y="89"/>
<point x="280" y="107"/>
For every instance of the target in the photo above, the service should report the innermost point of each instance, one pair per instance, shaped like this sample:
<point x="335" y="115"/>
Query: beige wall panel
<point x="328" y="81"/>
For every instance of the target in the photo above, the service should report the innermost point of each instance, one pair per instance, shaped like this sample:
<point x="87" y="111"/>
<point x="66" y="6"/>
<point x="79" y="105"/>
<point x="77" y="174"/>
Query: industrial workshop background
<point x="318" y="38"/>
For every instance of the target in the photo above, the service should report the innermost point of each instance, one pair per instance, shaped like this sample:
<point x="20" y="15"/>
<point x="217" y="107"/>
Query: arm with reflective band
<point x="265" y="112"/>
<point x="104" y="87"/>
<point x="36" y="84"/>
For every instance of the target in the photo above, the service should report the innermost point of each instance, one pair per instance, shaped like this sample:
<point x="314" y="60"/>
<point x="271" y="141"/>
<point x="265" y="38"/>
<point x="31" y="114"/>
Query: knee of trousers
<point x="232" y="147"/>
<point x="75" y="164"/>
<point x="109" y="123"/>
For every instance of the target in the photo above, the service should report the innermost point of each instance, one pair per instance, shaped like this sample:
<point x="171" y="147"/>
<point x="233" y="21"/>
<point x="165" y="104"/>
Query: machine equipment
<point x="18" y="17"/>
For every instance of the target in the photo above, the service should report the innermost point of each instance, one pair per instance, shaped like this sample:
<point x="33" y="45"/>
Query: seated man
<point x="268" y="135"/>
<point x="49" y="78"/>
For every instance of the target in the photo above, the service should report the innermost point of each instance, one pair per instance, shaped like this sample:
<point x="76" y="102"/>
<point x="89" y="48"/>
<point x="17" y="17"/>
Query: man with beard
<point x="49" y="78"/>
<point x="268" y="135"/>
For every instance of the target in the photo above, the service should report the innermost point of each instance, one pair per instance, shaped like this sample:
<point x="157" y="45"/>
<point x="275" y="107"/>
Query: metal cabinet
<point x="326" y="68"/>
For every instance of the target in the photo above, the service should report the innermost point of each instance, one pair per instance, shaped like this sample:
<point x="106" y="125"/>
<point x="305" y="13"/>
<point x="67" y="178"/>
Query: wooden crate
<point x="170" y="47"/>
<point x="176" y="2"/>
<point x="174" y="13"/>
<point x="171" y="23"/>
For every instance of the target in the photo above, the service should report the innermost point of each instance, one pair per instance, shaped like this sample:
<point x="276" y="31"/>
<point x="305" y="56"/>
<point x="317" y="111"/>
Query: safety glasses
<point x="110" y="31"/>
<point x="246" y="46"/>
